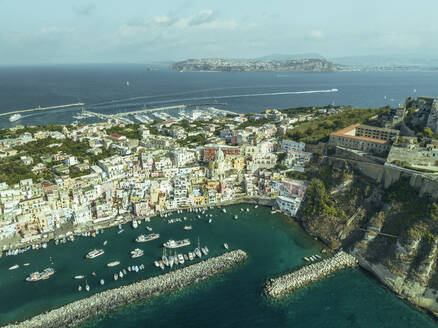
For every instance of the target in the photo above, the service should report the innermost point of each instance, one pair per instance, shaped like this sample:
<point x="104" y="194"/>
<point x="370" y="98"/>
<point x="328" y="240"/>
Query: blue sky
<point x="141" y="31"/>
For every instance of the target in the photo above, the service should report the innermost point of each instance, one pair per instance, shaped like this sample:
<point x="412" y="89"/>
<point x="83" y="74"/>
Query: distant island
<point x="241" y="65"/>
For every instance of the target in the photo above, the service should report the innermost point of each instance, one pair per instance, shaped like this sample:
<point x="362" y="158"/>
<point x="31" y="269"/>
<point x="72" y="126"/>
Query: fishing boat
<point x="79" y="277"/>
<point x="136" y="253"/>
<point x="94" y="253"/>
<point x="226" y="246"/>
<point x="144" y="238"/>
<point x="112" y="264"/>
<point x="16" y="266"/>
<point x="176" y="243"/>
<point x="188" y="227"/>
<point x="45" y="274"/>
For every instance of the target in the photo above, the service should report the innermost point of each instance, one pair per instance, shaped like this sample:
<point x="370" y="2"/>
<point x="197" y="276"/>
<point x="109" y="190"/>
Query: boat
<point x="26" y="264"/>
<point x="204" y="251"/>
<point x="134" y="224"/>
<point x="186" y="258"/>
<point x="209" y="220"/>
<point x="157" y="264"/>
<point x="116" y="276"/>
<point x="191" y="256"/>
<point x="16" y="266"/>
<point x="144" y="238"/>
<point x="247" y="209"/>
<point x="79" y="288"/>
<point x="307" y="259"/>
<point x="93" y="274"/>
<point x="256" y="206"/>
<point x="177" y="243"/>
<point x="45" y="274"/>
<point x="235" y="217"/>
<point x="161" y="265"/>
<point x="105" y="242"/>
<point x="112" y="264"/>
<point x="226" y="246"/>
<point x="15" y="117"/>
<point x="149" y="228"/>
<point x="79" y="277"/>
<point x="224" y="210"/>
<point x="87" y="287"/>
<point x="188" y="227"/>
<point x="136" y="253"/>
<point x="121" y="274"/>
<point x="197" y="250"/>
<point x="102" y="282"/>
<point x="94" y="253"/>
<point x="171" y="261"/>
<point x="164" y="258"/>
<point x="181" y="258"/>
<point x="120" y="231"/>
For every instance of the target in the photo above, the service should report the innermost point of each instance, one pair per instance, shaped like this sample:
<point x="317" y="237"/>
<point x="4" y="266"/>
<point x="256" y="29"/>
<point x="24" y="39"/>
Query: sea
<point x="275" y="243"/>
<point x="115" y="89"/>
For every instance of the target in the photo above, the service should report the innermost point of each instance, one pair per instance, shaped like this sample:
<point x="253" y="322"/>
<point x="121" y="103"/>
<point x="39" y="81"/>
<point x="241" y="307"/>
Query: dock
<point x="41" y="109"/>
<point x="75" y="313"/>
<point x="278" y="287"/>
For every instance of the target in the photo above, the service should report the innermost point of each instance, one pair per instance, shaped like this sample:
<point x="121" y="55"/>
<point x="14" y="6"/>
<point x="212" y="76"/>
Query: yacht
<point x="177" y="243"/>
<point x="144" y="238"/>
<point x="16" y="266"/>
<point x="36" y="276"/>
<point x="94" y="253"/>
<point x="15" y="117"/>
<point x="136" y="253"/>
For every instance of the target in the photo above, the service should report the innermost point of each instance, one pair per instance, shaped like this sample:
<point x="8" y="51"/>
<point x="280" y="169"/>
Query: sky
<point x="145" y="31"/>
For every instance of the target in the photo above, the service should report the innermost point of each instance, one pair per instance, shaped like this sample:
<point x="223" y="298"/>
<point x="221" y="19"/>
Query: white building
<point x="287" y="145"/>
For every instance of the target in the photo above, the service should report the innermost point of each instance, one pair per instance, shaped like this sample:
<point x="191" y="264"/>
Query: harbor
<point x="79" y="311"/>
<point x="279" y="286"/>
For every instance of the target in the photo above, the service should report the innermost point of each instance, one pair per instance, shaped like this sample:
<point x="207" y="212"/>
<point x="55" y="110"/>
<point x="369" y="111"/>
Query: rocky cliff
<point x="388" y="219"/>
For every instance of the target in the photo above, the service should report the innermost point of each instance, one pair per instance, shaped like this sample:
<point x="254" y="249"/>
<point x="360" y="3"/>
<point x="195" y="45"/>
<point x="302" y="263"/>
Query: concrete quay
<point x="77" y="312"/>
<point x="277" y="287"/>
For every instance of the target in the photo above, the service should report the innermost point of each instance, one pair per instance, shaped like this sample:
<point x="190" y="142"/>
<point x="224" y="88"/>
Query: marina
<point x="284" y="238"/>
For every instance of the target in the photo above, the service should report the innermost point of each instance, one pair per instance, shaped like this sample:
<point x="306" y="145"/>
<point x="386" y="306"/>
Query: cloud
<point x="202" y="17"/>
<point x="317" y="34"/>
<point x="84" y="10"/>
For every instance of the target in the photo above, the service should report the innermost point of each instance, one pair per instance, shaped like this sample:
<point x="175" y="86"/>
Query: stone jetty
<point x="281" y="285"/>
<point x="77" y="312"/>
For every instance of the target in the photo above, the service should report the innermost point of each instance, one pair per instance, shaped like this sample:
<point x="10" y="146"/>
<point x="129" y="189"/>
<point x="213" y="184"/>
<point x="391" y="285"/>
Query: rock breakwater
<point x="277" y="287"/>
<point x="77" y="312"/>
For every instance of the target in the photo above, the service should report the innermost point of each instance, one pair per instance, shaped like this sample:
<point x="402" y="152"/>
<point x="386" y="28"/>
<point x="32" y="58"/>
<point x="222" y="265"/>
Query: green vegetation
<point x="198" y="139"/>
<point x="259" y="122"/>
<point x="12" y="171"/>
<point x="319" y="129"/>
<point x="410" y="207"/>
<point x="130" y="131"/>
<point x="318" y="202"/>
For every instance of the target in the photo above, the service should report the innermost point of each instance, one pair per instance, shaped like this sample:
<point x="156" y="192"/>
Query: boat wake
<point x="120" y="103"/>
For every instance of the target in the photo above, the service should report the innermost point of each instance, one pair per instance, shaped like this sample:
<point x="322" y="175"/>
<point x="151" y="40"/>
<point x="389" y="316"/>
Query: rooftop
<point x="345" y="133"/>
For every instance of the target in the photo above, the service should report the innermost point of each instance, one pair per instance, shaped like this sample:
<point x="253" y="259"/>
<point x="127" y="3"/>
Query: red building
<point x="210" y="151"/>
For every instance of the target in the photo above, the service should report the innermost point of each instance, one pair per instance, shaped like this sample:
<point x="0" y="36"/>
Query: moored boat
<point x="176" y="243"/>
<point x="136" y="253"/>
<point x="16" y="266"/>
<point x="94" y="253"/>
<point x="112" y="264"/>
<point x="181" y="258"/>
<point x="226" y="246"/>
<point x="188" y="227"/>
<point x="45" y="274"/>
<point x="144" y="238"/>
<point x="79" y="277"/>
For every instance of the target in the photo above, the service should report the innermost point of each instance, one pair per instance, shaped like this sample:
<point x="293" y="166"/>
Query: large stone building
<point x="363" y="137"/>
<point x="211" y="149"/>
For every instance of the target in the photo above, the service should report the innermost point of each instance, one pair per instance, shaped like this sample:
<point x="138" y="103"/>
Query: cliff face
<point x="388" y="225"/>
<point x="223" y="65"/>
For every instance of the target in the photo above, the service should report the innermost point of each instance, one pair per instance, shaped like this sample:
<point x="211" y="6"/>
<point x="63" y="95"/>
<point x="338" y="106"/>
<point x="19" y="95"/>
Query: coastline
<point x="79" y="311"/>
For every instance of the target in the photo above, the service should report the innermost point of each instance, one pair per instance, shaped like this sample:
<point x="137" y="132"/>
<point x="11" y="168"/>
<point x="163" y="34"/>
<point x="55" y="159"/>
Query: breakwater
<point x="77" y="312"/>
<point x="281" y="285"/>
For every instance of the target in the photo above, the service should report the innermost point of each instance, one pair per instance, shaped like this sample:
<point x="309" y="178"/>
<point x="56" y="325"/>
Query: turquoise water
<point x="234" y="299"/>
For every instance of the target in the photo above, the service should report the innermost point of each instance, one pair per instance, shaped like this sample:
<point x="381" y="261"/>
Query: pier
<point x="289" y="282"/>
<point x="41" y="109"/>
<point x="77" y="312"/>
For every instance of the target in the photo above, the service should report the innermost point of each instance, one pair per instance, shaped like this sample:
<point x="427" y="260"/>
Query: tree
<point x="428" y="132"/>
